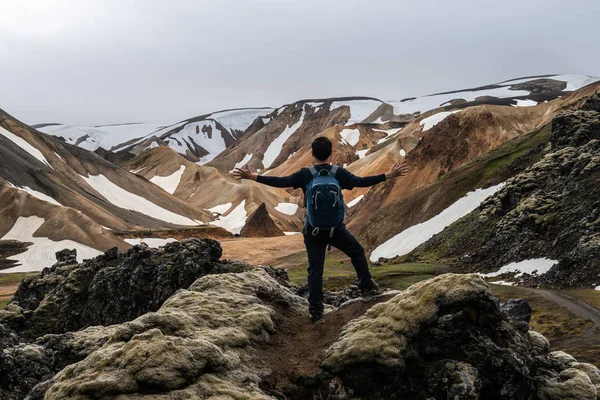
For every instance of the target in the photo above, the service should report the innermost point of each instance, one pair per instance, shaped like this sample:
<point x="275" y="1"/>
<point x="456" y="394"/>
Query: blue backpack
<point x="324" y="201"/>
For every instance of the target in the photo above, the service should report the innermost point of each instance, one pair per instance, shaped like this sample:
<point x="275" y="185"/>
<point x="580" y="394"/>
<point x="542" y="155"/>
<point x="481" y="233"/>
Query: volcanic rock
<point x="550" y="210"/>
<point x="111" y="288"/>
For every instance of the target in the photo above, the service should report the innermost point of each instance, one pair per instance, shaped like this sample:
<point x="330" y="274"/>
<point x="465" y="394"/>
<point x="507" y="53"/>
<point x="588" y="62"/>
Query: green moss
<point x="492" y="166"/>
<point x="3" y="303"/>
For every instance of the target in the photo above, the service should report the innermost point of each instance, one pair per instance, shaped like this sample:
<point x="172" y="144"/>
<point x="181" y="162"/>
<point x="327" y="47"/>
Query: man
<point x="315" y="239"/>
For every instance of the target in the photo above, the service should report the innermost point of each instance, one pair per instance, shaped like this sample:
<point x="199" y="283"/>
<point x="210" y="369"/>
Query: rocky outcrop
<point x="260" y="224"/>
<point x="201" y="343"/>
<point x="550" y="210"/>
<point x="111" y="288"/>
<point x="446" y="338"/>
<point x="441" y="338"/>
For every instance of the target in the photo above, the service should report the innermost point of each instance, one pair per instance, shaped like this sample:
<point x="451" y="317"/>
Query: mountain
<point x="202" y="138"/>
<point x="55" y="195"/>
<point x="95" y="137"/>
<point x="208" y="188"/>
<point x="541" y="226"/>
<point x="182" y="170"/>
<point x="453" y="144"/>
<point x="193" y="137"/>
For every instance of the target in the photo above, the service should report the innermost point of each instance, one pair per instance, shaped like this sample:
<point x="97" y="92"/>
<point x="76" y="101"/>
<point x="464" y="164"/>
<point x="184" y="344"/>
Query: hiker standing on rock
<point x="322" y="185"/>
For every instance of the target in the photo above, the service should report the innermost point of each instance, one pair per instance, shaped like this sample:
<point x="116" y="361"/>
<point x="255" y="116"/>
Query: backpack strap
<point x="333" y="171"/>
<point x="313" y="171"/>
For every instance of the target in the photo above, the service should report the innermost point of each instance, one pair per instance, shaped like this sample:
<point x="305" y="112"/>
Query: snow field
<point x="38" y="195"/>
<point x="410" y="238"/>
<point x="276" y="145"/>
<point x="535" y="266"/>
<point x="169" y="183"/>
<point x="235" y="220"/>
<point x="287" y="208"/>
<point x="350" y="136"/>
<point x="359" y="109"/>
<point x="130" y="201"/>
<point x="431" y="121"/>
<point x="41" y="253"/>
<point x="355" y="201"/>
<point x="22" y="143"/>
<point x="220" y="209"/>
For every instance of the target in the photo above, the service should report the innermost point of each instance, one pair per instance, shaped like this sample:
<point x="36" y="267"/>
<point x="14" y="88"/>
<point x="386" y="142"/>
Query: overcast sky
<point x="90" y="62"/>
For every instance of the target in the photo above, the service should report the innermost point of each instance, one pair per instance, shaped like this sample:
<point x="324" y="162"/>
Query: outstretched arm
<point x="357" y="181"/>
<point x="294" y="180"/>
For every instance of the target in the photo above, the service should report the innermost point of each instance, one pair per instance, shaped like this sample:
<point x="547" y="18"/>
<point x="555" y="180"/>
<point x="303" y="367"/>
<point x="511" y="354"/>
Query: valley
<point x="134" y="241"/>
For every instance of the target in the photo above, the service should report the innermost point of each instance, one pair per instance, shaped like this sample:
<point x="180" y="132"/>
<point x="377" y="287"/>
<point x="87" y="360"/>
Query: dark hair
<point x="321" y="148"/>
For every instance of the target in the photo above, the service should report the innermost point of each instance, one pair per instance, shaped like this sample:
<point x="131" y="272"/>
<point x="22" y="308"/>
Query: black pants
<point x="316" y="246"/>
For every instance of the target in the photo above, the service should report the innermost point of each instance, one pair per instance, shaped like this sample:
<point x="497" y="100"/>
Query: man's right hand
<point x="244" y="173"/>
<point x="397" y="170"/>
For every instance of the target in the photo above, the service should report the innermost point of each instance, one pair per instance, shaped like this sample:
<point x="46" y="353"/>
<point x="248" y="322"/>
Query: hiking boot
<point x="317" y="318"/>
<point x="370" y="291"/>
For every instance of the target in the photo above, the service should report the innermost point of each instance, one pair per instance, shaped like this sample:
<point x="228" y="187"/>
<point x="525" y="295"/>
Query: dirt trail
<point x="583" y="310"/>
<point x="261" y="251"/>
<point x="296" y="351"/>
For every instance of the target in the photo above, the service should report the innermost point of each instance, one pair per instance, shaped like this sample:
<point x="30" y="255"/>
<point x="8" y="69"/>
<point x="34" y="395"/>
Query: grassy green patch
<point x="3" y="303"/>
<point x="588" y="296"/>
<point x="550" y="319"/>
<point x="13" y="277"/>
<point x="338" y="271"/>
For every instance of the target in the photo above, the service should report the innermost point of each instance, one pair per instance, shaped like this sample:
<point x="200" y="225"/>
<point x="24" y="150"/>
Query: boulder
<point x="445" y="338"/>
<point x="518" y="309"/>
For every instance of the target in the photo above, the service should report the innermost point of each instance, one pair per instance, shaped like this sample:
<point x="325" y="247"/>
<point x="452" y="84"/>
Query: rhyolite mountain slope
<point x="54" y="195"/>
<point x="435" y="154"/>
<point x="550" y="210"/>
<point x="369" y="136"/>
<point x="202" y="138"/>
<point x="446" y="337"/>
<point x="211" y="189"/>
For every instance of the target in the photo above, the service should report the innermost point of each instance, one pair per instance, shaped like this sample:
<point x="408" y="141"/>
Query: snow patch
<point x="362" y="153"/>
<point x="41" y="253"/>
<point x="355" y="201"/>
<point x="130" y="201"/>
<point x="169" y="183"/>
<point x="428" y="103"/>
<point x="525" y="103"/>
<point x="22" y="143"/>
<point x="431" y="121"/>
<point x="350" y="136"/>
<point x="220" y="209"/>
<point x="291" y="233"/>
<point x="151" y="242"/>
<point x="235" y="220"/>
<point x="276" y="145"/>
<point x="287" y="208"/>
<point x="105" y="136"/>
<point x="535" y="266"/>
<point x="243" y="162"/>
<point x="410" y="238"/>
<point x="36" y="194"/>
<point x="359" y="109"/>
<point x="503" y="283"/>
